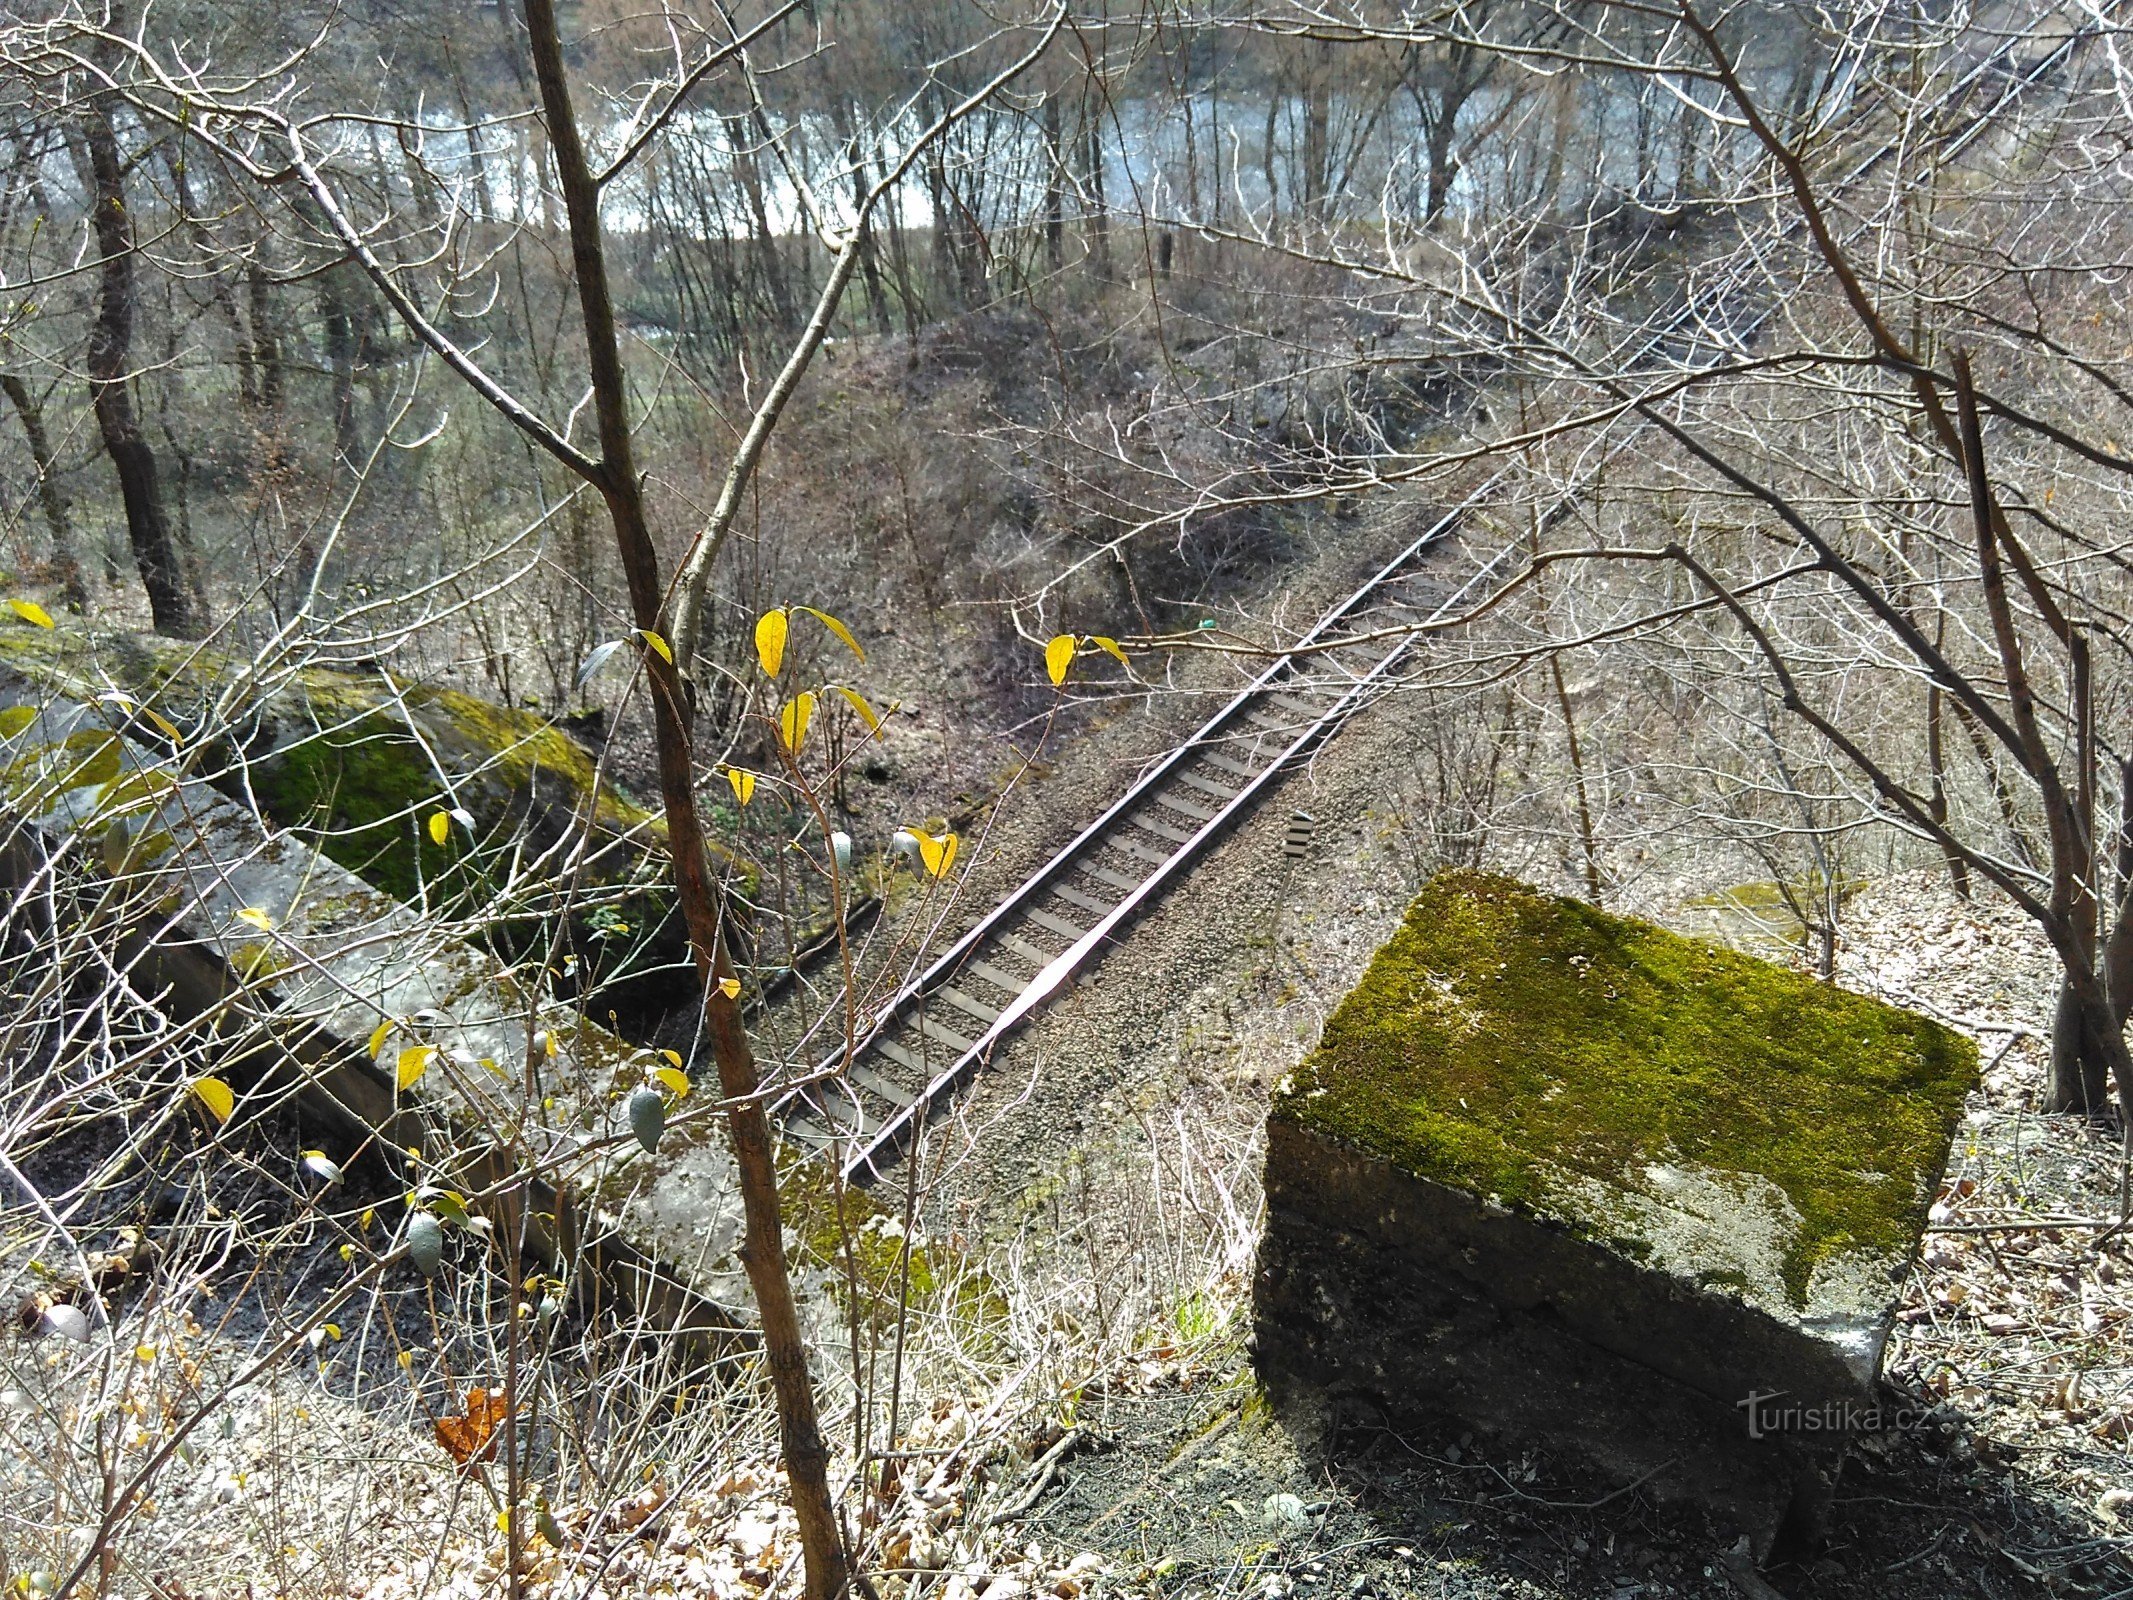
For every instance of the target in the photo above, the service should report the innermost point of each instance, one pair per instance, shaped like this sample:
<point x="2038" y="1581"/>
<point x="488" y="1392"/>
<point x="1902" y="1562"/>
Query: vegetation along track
<point x="860" y="1105"/>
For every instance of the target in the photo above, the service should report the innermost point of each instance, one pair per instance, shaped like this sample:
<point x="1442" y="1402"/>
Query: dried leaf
<point x="425" y="1243"/>
<point x="379" y="1035"/>
<point x="322" y="1166"/>
<point x="664" y="650"/>
<point x="938" y="855"/>
<point x="858" y="703"/>
<point x="413" y="1062"/>
<point x="647" y="1112"/>
<point x="30" y="611"/>
<point x="595" y="659"/>
<point x="730" y="988"/>
<point x="1109" y="647"/>
<point x="793" y="720"/>
<point x="473" y="1437"/>
<point x="838" y="628"/>
<point x="771" y="629"/>
<point x="216" y="1096"/>
<point x="1058" y="656"/>
<point x="743" y="783"/>
<point x="256" y="918"/>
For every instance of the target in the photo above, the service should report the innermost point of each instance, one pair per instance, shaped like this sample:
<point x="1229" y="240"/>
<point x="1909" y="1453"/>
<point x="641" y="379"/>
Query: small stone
<point x="1287" y="1510"/>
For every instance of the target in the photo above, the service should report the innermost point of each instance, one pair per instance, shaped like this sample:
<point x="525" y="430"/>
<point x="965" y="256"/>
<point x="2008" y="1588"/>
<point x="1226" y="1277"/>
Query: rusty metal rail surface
<point x="944" y="1024"/>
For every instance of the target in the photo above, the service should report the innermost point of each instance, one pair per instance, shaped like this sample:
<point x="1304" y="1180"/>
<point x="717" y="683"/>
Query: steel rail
<point x="865" y="1157"/>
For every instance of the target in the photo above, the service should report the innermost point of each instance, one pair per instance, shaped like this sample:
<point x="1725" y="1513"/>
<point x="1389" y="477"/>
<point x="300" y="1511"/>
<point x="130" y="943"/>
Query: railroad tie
<point x="1214" y="791"/>
<point x="1137" y="850"/>
<point x="875" y="1084"/>
<point x="1303" y="828"/>
<point x="902" y="1057"/>
<point x="969" y="1004"/>
<point x="1038" y="959"/>
<point x="1074" y="897"/>
<point x="1222" y="763"/>
<point x="846" y="1116"/>
<point x="1184" y="807"/>
<point x="998" y="978"/>
<point x="1161" y="830"/>
<point x="940" y="1033"/>
<point x="1105" y="875"/>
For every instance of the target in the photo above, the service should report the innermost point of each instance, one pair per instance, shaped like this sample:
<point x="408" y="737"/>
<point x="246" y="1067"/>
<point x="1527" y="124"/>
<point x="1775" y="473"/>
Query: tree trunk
<point x="806" y="1455"/>
<point x="155" y="546"/>
<point x="266" y="363"/>
<point x="1054" y="186"/>
<point x="341" y="362"/>
<point x="2080" y="1073"/>
<point x="869" y="250"/>
<point x="1098" y="220"/>
<point x="64" y="554"/>
<point x="1316" y="157"/>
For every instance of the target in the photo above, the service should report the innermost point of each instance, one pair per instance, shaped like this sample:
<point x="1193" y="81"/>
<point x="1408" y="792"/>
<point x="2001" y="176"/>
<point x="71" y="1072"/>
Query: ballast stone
<point x="1583" y="1183"/>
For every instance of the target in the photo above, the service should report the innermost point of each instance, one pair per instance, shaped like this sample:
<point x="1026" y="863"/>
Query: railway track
<point x="860" y="1105"/>
<point x="941" y="1027"/>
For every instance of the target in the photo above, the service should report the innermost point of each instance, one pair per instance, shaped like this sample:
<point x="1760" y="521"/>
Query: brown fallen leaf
<point x="472" y="1437"/>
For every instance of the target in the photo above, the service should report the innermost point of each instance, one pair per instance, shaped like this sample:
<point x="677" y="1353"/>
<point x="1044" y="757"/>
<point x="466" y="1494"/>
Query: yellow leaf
<point x="730" y="988"/>
<point x="673" y="1057"/>
<point x="406" y="1358"/>
<point x="413" y="1062"/>
<point x="216" y="1096"/>
<point x="743" y="784"/>
<point x="793" y="720"/>
<point x="858" y="703"/>
<point x="379" y="1035"/>
<point x="665" y="650"/>
<point x="257" y="918"/>
<point x="770" y="631"/>
<point x="440" y="827"/>
<point x="938" y="854"/>
<point x="838" y="628"/>
<point x="1058" y="656"/>
<point x="144" y="1352"/>
<point x="676" y="1081"/>
<point x="31" y="611"/>
<point x="1109" y="647"/>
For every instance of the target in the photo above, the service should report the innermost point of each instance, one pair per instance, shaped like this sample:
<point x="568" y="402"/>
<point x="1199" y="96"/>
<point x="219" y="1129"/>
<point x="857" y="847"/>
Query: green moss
<point x="337" y="753"/>
<point x="1515" y="1045"/>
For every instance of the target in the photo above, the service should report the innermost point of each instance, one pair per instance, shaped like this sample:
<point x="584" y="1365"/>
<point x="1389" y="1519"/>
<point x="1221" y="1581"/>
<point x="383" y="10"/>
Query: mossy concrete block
<point x="324" y="989"/>
<point x="358" y="760"/>
<point x="1580" y="1181"/>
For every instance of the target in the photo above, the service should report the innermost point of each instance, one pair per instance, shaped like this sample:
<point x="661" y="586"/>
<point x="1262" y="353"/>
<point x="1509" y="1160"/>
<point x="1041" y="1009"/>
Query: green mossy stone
<point x="1709" y="1114"/>
<point x="341" y="756"/>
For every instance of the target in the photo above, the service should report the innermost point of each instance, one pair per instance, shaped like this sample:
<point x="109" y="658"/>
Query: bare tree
<point x="172" y="595"/>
